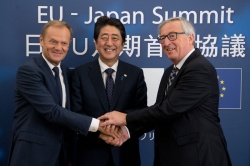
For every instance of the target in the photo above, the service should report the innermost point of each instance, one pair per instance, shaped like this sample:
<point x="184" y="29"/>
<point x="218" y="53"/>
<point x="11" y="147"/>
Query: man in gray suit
<point x="42" y="118"/>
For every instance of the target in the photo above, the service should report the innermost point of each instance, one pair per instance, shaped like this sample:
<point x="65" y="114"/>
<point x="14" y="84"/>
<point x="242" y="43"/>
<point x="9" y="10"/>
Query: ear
<point x="95" y="44"/>
<point x="41" y="41"/>
<point x="191" y="39"/>
<point x="123" y="43"/>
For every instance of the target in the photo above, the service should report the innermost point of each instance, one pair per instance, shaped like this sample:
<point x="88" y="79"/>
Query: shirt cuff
<point x="127" y="131"/>
<point x="94" y="125"/>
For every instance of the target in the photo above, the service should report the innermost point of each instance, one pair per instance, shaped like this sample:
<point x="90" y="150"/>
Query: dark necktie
<point x="109" y="84"/>
<point x="58" y="83"/>
<point x="172" y="76"/>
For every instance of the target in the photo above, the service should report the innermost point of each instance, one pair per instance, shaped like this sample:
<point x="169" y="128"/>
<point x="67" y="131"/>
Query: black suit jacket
<point x="89" y="97"/>
<point x="186" y="122"/>
<point x="39" y="122"/>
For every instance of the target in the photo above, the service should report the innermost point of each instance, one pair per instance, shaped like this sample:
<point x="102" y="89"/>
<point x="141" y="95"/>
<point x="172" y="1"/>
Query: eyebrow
<point x="168" y="33"/>
<point x="108" y="34"/>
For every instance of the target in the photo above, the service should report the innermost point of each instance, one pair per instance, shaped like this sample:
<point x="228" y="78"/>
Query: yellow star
<point x="221" y="95"/>
<point x="222" y="82"/>
<point x="223" y="88"/>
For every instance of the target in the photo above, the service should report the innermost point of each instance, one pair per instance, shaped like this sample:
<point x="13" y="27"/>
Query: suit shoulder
<point x="31" y="63"/>
<point x="128" y="65"/>
<point x="197" y="60"/>
<point x="204" y="61"/>
<point x="84" y="66"/>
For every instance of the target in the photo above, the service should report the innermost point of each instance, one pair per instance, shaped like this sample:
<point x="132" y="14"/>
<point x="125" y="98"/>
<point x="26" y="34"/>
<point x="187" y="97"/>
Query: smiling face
<point x="179" y="48"/>
<point x="109" y="44"/>
<point x="55" y="44"/>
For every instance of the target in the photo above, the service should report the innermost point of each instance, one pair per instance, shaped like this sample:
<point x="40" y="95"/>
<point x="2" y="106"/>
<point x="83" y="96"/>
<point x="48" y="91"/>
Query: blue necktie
<point x="58" y="83"/>
<point x="109" y="84"/>
<point x="172" y="76"/>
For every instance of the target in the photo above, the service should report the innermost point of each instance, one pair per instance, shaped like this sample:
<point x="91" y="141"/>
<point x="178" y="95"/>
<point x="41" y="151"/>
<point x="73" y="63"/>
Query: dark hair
<point x="56" y="23"/>
<point x="103" y="21"/>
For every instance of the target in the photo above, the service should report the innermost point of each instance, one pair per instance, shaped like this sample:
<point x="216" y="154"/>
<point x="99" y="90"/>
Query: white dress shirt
<point x="95" y="122"/>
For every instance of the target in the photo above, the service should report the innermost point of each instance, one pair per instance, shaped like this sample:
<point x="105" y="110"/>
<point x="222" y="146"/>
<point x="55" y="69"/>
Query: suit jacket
<point x="89" y="97"/>
<point x="186" y="122"/>
<point x="39" y="122"/>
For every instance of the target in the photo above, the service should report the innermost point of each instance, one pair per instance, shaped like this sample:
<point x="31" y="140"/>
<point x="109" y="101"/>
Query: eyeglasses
<point x="171" y="36"/>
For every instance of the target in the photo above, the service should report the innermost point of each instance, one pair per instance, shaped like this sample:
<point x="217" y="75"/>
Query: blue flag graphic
<point x="230" y="84"/>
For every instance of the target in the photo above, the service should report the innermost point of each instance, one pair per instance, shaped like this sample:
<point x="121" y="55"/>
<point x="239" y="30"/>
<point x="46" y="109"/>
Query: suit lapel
<point x="49" y="75"/>
<point x="47" y="71"/>
<point x="193" y="55"/>
<point x="96" y="78"/>
<point x="45" y="67"/>
<point x="120" y="81"/>
<point x="163" y="84"/>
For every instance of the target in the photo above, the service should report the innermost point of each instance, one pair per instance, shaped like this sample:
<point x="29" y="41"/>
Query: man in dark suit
<point x="89" y="95"/>
<point x="185" y="116"/>
<point x="42" y="117"/>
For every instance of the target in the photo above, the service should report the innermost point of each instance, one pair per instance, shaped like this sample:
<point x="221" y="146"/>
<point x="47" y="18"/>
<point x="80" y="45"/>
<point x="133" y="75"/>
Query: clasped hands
<point x="113" y="129"/>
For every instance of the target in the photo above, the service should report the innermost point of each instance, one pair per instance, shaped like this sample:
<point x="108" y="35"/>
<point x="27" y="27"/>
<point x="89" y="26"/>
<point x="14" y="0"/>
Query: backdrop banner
<point x="222" y="35"/>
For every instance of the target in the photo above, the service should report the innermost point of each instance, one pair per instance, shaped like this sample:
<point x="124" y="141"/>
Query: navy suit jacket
<point x="89" y="97"/>
<point x="186" y="122"/>
<point x="40" y="123"/>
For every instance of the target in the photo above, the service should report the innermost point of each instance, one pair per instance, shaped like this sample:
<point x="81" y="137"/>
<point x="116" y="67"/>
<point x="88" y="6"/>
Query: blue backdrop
<point x="222" y="28"/>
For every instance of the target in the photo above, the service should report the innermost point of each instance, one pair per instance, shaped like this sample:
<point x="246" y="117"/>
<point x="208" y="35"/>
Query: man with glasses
<point x="185" y="116"/>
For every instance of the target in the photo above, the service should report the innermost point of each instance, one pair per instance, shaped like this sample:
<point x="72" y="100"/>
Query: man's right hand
<point x="113" y="135"/>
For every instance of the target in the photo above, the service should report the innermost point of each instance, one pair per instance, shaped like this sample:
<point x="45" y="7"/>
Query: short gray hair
<point x="186" y="25"/>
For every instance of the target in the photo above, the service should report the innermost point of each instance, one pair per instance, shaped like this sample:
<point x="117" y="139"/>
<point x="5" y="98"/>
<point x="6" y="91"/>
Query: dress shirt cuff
<point x="94" y="125"/>
<point x="127" y="131"/>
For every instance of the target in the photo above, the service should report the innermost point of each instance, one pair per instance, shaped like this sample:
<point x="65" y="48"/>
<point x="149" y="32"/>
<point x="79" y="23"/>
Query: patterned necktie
<point x="58" y="83"/>
<point x="109" y="84"/>
<point x="172" y="76"/>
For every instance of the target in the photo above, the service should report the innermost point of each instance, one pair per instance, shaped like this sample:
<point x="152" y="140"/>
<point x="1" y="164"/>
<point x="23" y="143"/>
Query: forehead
<point x="173" y="26"/>
<point x="58" y="33"/>
<point x="110" y="30"/>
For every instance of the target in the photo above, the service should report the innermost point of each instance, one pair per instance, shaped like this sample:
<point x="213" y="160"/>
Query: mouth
<point x="170" y="49"/>
<point x="57" y="52"/>
<point x="109" y="49"/>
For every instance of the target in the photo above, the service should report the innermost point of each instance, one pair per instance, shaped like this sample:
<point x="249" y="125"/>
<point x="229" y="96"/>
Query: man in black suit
<point x="42" y="117"/>
<point x="89" y="95"/>
<point x="185" y="116"/>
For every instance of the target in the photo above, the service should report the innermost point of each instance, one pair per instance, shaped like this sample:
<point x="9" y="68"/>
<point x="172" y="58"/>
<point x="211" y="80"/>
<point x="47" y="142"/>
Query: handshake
<point x="113" y="129"/>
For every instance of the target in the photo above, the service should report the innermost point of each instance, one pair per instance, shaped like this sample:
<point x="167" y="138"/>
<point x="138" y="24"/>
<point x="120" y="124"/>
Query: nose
<point x="58" y="46"/>
<point x="109" y="41"/>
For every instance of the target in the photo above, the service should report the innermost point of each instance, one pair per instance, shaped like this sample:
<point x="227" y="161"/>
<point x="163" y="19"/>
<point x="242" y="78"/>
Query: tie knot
<point x="56" y="70"/>
<point x="175" y="69"/>
<point x="109" y="71"/>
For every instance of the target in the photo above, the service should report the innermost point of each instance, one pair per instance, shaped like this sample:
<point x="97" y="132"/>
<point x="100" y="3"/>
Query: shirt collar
<point x="180" y="64"/>
<point x="103" y="66"/>
<point x="49" y="64"/>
